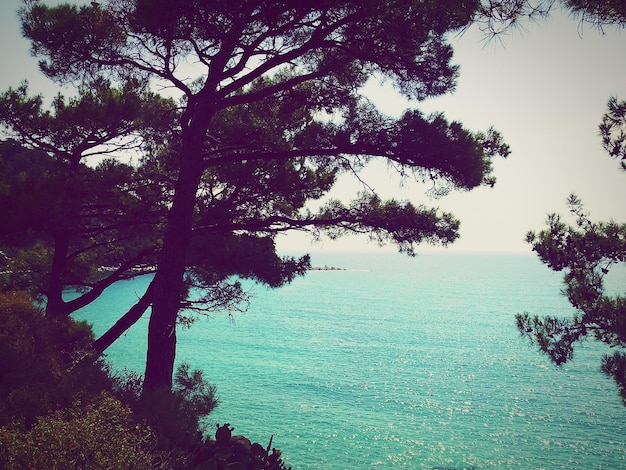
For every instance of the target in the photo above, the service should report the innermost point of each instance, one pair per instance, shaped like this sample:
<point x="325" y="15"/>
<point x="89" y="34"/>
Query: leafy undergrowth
<point x="61" y="409"/>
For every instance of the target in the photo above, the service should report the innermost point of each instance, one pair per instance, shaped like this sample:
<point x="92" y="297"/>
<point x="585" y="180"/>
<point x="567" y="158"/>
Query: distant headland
<point x="325" y="268"/>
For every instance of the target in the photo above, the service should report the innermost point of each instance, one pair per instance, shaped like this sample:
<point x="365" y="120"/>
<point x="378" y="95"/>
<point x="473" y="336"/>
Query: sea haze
<point x="397" y="362"/>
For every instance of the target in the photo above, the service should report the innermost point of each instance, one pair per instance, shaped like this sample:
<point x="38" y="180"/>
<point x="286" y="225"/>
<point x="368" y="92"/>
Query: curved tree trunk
<point x="167" y="285"/>
<point x="128" y="319"/>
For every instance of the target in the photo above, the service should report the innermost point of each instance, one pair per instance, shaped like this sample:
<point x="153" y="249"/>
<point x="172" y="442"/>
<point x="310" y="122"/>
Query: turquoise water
<point x="400" y="363"/>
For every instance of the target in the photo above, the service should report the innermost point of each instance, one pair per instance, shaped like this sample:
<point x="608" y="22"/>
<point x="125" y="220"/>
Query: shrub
<point x="39" y="371"/>
<point x="97" y="435"/>
<point x="174" y="415"/>
<point x="60" y="409"/>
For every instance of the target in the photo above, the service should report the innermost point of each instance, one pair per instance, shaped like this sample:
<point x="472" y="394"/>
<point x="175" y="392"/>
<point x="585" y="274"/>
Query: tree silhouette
<point x="272" y="93"/>
<point x="66" y="216"/>
<point x="585" y="251"/>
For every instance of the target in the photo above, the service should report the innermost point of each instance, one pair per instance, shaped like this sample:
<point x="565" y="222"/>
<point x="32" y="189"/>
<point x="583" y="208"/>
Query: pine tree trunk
<point x="55" y="307"/>
<point x="167" y="285"/>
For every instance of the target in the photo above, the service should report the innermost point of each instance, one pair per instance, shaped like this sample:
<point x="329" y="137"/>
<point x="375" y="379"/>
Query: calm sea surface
<point x="399" y="362"/>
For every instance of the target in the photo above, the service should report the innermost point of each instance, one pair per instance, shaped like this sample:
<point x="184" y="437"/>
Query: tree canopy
<point x="79" y="214"/>
<point x="586" y="251"/>
<point x="260" y="111"/>
<point x="269" y="113"/>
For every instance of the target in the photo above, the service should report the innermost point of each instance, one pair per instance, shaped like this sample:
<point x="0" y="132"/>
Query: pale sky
<point x="545" y="89"/>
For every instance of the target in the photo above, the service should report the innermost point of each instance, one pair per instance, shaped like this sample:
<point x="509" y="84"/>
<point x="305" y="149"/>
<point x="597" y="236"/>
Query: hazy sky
<point x="545" y="89"/>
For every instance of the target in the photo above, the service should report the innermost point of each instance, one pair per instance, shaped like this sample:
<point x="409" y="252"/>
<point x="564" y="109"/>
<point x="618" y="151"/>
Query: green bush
<point x="174" y="415"/>
<point x="39" y="367"/>
<point x="98" y="435"/>
<point x="60" y="409"/>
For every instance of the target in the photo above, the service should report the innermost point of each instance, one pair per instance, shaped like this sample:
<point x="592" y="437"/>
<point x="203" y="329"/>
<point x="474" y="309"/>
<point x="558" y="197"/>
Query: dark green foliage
<point x="100" y="434"/>
<point x="39" y="367"/>
<point x="63" y="222"/>
<point x="215" y="258"/>
<point x="175" y="418"/>
<point x="615" y="366"/>
<point x="74" y="127"/>
<point x="59" y="409"/>
<point x="65" y="218"/>
<point x="250" y="147"/>
<point x="55" y="409"/>
<point x="448" y="151"/>
<point x="26" y="193"/>
<point x="51" y="29"/>
<point x="498" y="17"/>
<point x="247" y="148"/>
<point x="400" y="222"/>
<point x="586" y="252"/>
<point x="175" y="414"/>
<point x="600" y="13"/>
<point x="613" y="130"/>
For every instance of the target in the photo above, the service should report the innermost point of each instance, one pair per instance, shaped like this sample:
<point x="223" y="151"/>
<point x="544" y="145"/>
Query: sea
<point x="398" y="362"/>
